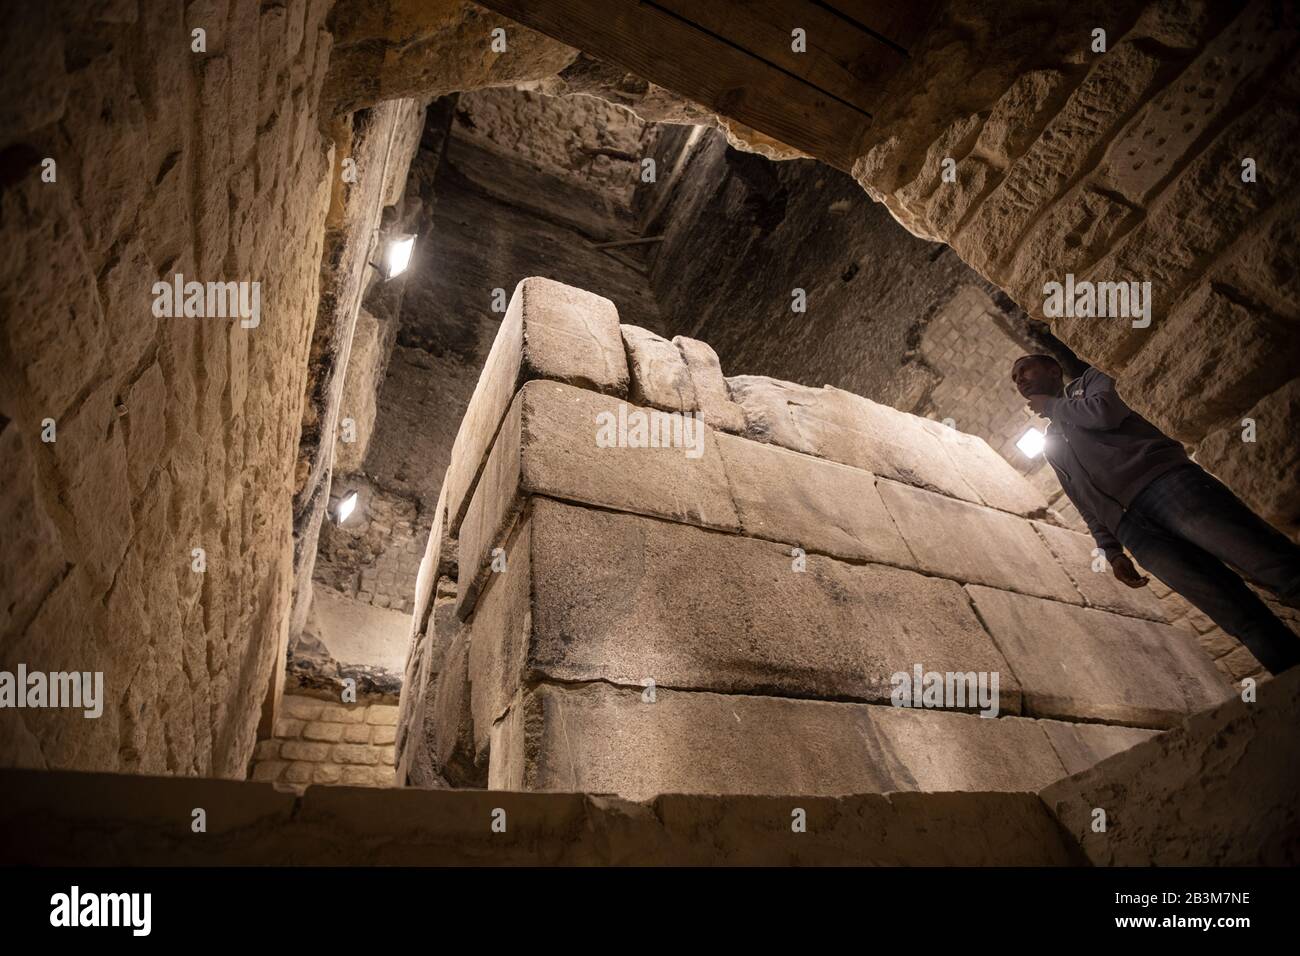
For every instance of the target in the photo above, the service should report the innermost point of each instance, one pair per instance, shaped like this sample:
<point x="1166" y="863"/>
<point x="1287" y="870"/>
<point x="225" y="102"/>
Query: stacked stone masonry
<point x="173" y="434"/>
<point x="725" y="612"/>
<point x="1125" y="165"/>
<point x="321" y="742"/>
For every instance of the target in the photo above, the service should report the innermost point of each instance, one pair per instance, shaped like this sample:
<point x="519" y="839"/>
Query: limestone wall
<point x="768" y="582"/>
<point x="171" y="433"/>
<point x="1125" y="165"/>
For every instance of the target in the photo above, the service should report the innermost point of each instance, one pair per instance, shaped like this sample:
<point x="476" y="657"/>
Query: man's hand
<point x="1039" y="403"/>
<point x="1126" y="573"/>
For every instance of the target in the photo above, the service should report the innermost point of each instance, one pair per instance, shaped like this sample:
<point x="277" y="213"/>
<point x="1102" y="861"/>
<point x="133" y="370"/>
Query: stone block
<point x="449" y="722"/>
<point x="837" y="425"/>
<point x="596" y="738"/>
<point x="319" y="730"/>
<point x="357" y="754"/>
<point x="548" y="445"/>
<point x="969" y="542"/>
<point x="1212" y="346"/>
<point x="1099" y="588"/>
<point x="305" y="750"/>
<point x="268" y="771"/>
<point x="327" y="773"/>
<point x="1113" y="87"/>
<point x="288" y="727"/>
<point x="659" y="376"/>
<point x="344" y="713"/>
<point x="354" y="775"/>
<point x="1077" y="663"/>
<point x="594" y="595"/>
<point x="1239" y="662"/>
<point x="992" y="477"/>
<point x="426" y="578"/>
<point x="819" y="505"/>
<point x="550" y="331"/>
<point x="1175" y="121"/>
<point x="302" y="708"/>
<point x="711" y="394"/>
<point x="1080" y="746"/>
<point x="266" y="750"/>
<point x="406" y="827"/>
<point x="1263" y="472"/>
<point x="1219" y="790"/>
<point x="356" y="734"/>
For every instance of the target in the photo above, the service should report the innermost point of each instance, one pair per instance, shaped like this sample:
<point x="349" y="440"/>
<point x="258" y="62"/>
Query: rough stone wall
<point x="373" y="557"/>
<point x="642" y="620"/>
<point x="172" y="433"/>
<point x="372" y="341"/>
<point x="580" y="138"/>
<point x="486" y="219"/>
<point x="499" y="180"/>
<point x="389" y="49"/>
<point x="1220" y="790"/>
<point x="328" y="743"/>
<point x="741" y="233"/>
<point x="378" y="144"/>
<point x="1125" y="165"/>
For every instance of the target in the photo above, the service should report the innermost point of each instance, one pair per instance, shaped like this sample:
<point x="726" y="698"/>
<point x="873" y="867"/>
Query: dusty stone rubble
<point x="726" y="615"/>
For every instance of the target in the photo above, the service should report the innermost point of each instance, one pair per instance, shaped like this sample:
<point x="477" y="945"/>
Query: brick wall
<point x="967" y="346"/>
<point x="320" y="742"/>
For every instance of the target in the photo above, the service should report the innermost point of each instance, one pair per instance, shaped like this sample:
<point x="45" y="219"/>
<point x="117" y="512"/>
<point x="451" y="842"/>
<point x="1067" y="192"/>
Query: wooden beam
<point x="850" y="64"/>
<point x="655" y="43"/>
<point x="900" y="23"/>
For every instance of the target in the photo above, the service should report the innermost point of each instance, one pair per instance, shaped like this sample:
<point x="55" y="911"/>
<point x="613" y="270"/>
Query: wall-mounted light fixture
<point x="397" y="255"/>
<point x="347" y="504"/>
<point x="1031" y="442"/>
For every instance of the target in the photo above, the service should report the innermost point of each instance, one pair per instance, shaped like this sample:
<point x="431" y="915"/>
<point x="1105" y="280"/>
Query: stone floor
<point x="1218" y="790"/>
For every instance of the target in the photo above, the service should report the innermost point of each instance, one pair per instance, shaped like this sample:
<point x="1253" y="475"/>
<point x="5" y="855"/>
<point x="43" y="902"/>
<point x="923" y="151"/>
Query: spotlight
<point x="397" y="255"/>
<point x="346" y="507"/>
<point x="1031" y="442"/>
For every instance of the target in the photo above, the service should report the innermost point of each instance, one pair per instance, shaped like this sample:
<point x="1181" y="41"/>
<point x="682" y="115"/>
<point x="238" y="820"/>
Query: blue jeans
<point x="1184" y="526"/>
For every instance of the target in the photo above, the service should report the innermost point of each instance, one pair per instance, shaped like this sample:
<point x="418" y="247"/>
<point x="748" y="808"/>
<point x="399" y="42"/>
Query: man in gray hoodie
<point x="1136" y="488"/>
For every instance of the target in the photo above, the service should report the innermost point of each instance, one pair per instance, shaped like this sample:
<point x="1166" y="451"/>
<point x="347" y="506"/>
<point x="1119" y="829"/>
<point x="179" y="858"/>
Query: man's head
<point x="1037" y="375"/>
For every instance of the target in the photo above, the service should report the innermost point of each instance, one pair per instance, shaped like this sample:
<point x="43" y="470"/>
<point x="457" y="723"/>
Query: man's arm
<point x="1108" y="543"/>
<point x="1101" y="409"/>
<point x="1120" y="563"/>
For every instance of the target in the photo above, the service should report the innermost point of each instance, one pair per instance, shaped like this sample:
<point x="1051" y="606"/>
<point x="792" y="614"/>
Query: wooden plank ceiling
<point x="735" y="58"/>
